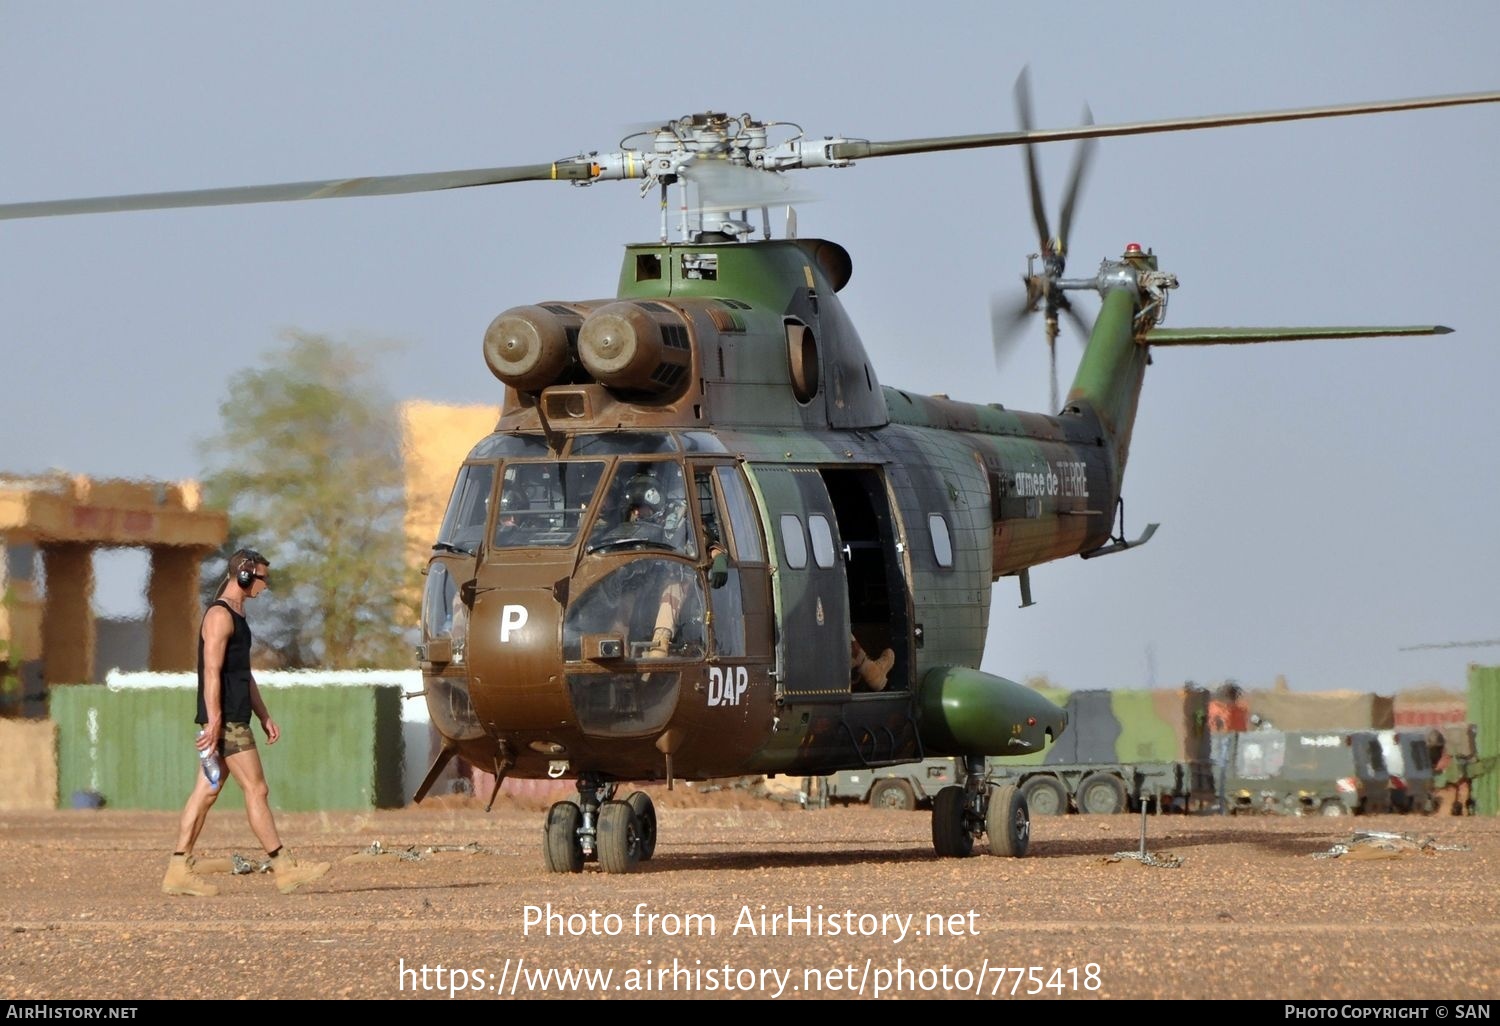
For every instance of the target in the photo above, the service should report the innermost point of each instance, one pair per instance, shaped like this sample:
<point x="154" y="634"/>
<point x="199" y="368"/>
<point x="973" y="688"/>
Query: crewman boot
<point x="182" y="879"/>
<point x="874" y="671"/>
<point x="291" y="874"/>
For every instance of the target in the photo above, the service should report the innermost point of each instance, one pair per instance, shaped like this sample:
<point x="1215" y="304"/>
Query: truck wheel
<point x="1102" y="794"/>
<point x="1008" y="822"/>
<point x="893" y="794"/>
<point x="950" y="834"/>
<point x="1045" y="796"/>
<point x="1332" y="807"/>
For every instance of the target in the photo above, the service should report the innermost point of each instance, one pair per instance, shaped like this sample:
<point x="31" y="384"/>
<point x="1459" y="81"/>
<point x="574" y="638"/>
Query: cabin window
<point x="468" y="509"/>
<point x="942" y="544"/>
<point x="822" y="540"/>
<point x="793" y="542"/>
<point x="747" y="548"/>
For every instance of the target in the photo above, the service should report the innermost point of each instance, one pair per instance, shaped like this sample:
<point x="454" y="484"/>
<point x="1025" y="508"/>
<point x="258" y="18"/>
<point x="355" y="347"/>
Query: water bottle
<point x="208" y="758"/>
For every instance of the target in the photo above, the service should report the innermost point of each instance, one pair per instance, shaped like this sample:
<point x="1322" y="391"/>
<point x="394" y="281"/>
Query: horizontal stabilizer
<point x="1235" y="336"/>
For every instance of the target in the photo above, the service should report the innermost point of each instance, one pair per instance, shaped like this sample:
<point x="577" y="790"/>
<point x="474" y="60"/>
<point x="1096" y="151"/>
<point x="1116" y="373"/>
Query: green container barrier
<point x="1484" y="712"/>
<point x="340" y="747"/>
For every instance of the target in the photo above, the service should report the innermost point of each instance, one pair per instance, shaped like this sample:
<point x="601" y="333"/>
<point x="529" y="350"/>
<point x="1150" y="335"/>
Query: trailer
<point x="1124" y="750"/>
<point x="1106" y="788"/>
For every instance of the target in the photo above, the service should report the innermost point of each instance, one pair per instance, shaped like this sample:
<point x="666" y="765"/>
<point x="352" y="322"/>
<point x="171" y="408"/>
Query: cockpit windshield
<point x="542" y="504"/>
<point x="646" y="508"/>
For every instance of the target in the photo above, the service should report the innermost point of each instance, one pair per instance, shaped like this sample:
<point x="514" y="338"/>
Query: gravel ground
<point x="1250" y="912"/>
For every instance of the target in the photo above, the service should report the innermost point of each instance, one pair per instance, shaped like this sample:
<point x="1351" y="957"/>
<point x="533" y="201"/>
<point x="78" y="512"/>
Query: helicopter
<point x="704" y="540"/>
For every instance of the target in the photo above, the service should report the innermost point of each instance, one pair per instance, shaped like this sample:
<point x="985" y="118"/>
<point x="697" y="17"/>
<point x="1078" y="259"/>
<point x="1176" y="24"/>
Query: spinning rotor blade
<point x="1081" y="160"/>
<point x="1005" y="318"/>
<point x="1084" y="331"/>
<point x="1038" y="207"/>
<point x="335" y="188"/>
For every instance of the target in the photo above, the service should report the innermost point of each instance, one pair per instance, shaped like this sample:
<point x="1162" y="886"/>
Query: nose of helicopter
<point x="515" y="665"/>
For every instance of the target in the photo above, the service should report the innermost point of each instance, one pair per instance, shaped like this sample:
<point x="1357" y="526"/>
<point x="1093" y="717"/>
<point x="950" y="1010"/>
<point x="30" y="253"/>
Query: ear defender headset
<point x="249" y="560"/>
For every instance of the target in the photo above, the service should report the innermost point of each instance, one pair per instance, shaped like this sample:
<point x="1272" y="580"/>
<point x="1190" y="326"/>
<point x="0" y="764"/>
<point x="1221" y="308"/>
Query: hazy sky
<point x="1322" y="504"/>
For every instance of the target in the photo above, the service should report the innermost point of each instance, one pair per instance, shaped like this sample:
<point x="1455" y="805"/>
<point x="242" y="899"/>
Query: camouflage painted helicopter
<point x="704" y="540"/>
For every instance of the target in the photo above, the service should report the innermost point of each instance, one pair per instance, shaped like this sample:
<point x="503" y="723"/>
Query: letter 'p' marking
<point x="512" y="618"/>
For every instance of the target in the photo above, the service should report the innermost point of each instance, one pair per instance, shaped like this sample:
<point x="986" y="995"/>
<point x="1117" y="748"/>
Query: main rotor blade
<point x="1081" y="160"/>
<point x="856" y="149"/>
<point x="336" y="188"/>
<point x="1038" y="208"/>
<point x="1233" y="336"/>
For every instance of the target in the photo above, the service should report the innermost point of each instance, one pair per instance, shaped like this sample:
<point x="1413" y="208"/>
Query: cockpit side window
<point x="468" y="509"/>
<point x="742" y="518"/>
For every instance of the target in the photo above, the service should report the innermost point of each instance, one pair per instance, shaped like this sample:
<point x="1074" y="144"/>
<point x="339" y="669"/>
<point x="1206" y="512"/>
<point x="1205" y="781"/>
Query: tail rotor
<point x="1043" y="292"/>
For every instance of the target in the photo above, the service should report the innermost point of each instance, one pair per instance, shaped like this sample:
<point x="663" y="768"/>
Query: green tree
<point x="308" y="464"/>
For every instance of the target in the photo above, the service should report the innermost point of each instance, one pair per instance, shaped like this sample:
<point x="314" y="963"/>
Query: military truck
<point x="906" y="787"/>
<point x="1123" y="749"/>
<point x="1305" y="772"/>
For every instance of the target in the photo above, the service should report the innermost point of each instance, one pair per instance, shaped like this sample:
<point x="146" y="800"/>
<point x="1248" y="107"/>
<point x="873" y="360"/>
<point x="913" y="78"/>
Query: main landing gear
<point x="620" y="835"/>
<point x="962" y="814"/>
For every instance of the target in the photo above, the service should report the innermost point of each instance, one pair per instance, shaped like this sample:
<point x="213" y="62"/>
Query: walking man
<point x="227" y="695"/>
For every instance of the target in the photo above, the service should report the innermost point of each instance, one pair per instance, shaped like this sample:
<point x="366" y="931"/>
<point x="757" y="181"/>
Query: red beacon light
<point x="1132" y="249"/>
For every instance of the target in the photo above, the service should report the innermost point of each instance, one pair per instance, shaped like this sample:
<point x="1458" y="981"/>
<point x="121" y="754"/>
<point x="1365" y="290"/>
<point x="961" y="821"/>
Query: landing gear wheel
<point x="1008" y="822"/>
<point x="893" y="794"/>
<point x="951" y="838"/>
<point x="1332" y="808"/>
<point x="561" y="851"/>
<point x="1102" y="794"/>
<point x="1045" y="796"/>
<point x="619" y="838"/>
<point x="645" y="814"/>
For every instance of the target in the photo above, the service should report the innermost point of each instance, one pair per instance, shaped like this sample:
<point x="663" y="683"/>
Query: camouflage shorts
<point x="237" y="739"/>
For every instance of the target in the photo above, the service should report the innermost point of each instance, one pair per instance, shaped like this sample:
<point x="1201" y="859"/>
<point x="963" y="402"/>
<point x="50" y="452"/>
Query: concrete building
<point x="50" y="527"/>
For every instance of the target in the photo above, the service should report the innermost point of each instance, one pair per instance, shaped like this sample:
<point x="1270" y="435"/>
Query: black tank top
<point x="234" y="675"/>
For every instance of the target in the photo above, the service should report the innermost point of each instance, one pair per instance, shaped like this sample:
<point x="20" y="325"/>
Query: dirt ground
<point x="749" y="897"/>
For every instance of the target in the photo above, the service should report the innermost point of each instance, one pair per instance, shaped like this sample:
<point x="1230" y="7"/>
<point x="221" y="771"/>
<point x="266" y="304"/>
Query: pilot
<point x="512" y="501"/>
<point x="644" y="505"/>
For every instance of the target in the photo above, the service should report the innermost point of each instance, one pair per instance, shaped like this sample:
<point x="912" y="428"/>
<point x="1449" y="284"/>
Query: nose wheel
<point x="961" y="815"/>
<point x="620" y="835"/>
